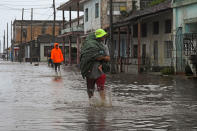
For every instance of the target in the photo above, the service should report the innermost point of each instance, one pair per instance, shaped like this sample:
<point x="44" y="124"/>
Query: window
<point x="168" y="47"/>
<point x="116" y="48"/>
<point x="143" y="54"/>
<point x="135" y="30"/>
<point x="123" y="44"/>
<point x="96" y="10"/>
<point x="24" y="30"/>
<point x="118" y="6"/>
<point x="168" y="26"/>
<point x="156" y="27"/>
<point x="135" y="51"/>
<point x="143" y="51"/>
<point x="155" y="50"/>
<point x="86" y="14"/>
<point x="43" y="30"/>
<point x="144" y="30"/>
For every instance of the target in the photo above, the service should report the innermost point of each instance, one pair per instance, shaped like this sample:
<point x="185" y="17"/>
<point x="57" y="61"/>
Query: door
<point x="155" y="50"/>
<point x="144" y="54"/>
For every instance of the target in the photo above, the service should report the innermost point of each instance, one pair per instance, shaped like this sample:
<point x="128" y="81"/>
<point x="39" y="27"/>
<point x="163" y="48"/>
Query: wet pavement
<point x="31" y="99"/>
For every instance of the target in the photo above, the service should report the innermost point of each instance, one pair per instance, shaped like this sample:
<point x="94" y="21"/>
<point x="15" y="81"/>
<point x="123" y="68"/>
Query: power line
<point x="12" y="8"/>
<point x="36" y="13"/>
<point x="49" y="16"/>
<point x="21" y="5"/>
<point x="26" y="1"/>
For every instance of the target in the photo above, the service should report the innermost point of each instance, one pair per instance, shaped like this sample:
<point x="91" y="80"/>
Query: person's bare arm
<point x="105" y="58"/>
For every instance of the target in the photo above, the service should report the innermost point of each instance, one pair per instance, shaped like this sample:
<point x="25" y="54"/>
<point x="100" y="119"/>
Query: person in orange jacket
<point x="57" y="56"/>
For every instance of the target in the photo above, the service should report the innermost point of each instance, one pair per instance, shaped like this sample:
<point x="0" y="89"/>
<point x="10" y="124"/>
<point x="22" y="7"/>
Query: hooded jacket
<point x="90" y="50"/>
<point x="56" y="54"/>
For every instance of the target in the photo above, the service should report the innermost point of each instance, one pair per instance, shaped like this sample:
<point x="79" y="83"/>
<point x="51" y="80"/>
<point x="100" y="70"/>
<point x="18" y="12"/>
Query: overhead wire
<point x="29" y="1"/>
<point x="13" y="8"/>
<point x="21" y="5"/>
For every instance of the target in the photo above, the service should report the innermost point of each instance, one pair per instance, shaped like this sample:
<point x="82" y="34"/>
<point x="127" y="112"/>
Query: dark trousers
<point x="90" y="86"/>
<point x="57" y="65"/>
<point x="100" y="82"/>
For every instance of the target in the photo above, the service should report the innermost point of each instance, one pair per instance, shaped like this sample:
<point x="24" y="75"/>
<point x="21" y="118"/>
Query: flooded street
<point x="31" y="99"/>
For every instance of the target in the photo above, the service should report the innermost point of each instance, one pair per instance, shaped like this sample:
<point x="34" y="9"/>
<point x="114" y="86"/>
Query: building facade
<point x="185" y="32"/>
<point x="72" y="30"/>
<point x="144" y="40"/>
<point x="26" y="31"/>
<point x="96" y="12"/>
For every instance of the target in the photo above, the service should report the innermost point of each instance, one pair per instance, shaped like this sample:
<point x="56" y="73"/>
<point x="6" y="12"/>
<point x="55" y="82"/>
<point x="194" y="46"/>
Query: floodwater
<point x="31" y="99"/>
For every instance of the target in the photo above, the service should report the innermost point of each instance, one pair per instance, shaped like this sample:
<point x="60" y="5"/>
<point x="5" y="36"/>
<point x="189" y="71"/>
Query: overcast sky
<point x="12" y="9"/>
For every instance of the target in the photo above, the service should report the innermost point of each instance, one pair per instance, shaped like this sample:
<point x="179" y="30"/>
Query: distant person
<point x="94" y="61"/>
<point x="3" y="56"/>
<point x="50" y="62"/>
<point x="57" y="57"/>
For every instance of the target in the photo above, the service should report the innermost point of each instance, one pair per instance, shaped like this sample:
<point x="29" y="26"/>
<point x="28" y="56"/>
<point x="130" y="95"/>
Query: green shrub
<point x="156" y="2"/>
<point x="168" y="71"/>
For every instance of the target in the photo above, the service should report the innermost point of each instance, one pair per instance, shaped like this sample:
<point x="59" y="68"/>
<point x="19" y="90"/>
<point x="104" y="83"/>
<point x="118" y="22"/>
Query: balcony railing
<point x="190" y="44"/>
<point x="73" y="29"/>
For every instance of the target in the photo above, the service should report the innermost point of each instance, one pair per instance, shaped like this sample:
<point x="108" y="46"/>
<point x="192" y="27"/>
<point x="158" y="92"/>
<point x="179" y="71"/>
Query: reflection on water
<point x="57" y="79"/>
<point x="96" y="119"/>
<point x="31" y="98"/>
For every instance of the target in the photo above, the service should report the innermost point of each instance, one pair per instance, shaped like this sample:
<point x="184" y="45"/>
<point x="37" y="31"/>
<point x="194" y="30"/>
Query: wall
<point x="103" y="20"/>
<point x="36" y="30"/>
<point x="161" y="38"/>
<point x="185" y="14"/>
<point x="105" y="12"/>
<point x="185" y="21"/>
<point x="92" y="23"/>
<point x="149" y="40"/>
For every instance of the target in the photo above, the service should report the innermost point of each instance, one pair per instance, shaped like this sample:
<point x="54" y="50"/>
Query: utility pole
<point x="63" y="37"/>
<point x="31" y="37"/>
<point x="7" y="42"/>
<point x="31" y="21"/>
<point x="21" y="36"/>
<point x="113" y="70"/>
<point x="0" y="46"/>
<point x="12" y="46"/>
<point x="4" y="42"/>
<point x="54" y="12"/>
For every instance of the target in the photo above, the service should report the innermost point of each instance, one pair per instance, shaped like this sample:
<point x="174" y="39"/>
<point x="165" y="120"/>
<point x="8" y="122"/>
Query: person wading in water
<point x="94" y="63"/>
<point x="57" y="57"/>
